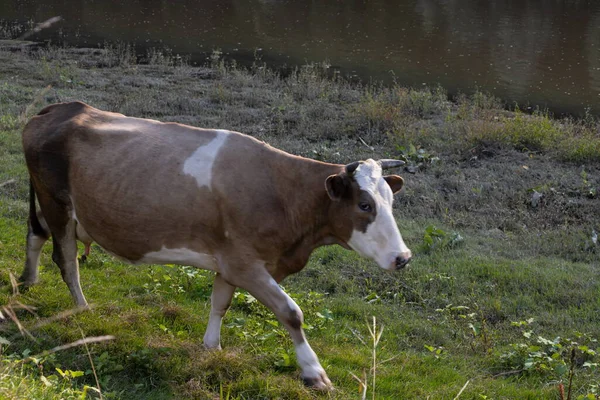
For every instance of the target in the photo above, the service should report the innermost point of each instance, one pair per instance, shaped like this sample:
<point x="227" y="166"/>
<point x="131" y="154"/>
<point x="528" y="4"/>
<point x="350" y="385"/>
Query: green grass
<point x="159" y="314"/>
<point x="447" y="319"/>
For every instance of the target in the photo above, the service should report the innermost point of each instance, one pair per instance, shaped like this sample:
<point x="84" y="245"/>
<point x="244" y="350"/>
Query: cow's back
<point x="124" y="178"/>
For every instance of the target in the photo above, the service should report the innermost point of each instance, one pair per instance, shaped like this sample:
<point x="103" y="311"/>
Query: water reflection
<point x="542" y="52"/>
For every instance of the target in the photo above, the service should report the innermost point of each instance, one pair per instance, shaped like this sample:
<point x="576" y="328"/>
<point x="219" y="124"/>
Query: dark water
<point x="543" y="52"/>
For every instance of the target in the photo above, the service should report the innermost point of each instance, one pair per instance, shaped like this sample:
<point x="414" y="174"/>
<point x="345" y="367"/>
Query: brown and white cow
<point x="152" y="192"/>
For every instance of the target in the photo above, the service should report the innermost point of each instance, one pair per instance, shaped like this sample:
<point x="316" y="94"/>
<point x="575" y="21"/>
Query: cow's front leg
<point x="267" y="291"/>
<point x="220" y="300"/>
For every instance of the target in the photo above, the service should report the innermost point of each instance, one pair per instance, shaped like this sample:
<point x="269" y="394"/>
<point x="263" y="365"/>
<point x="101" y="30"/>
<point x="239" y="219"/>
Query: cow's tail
<point x="35" y="227"/>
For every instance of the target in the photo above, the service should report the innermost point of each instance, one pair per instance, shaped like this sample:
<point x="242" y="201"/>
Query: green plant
<point x="416" y="157"/>
<point x="423" y="103"/>
<point x="470" y="323"/>
<point x="58" y="73"/>
<point x="436" y="351"/>
<point x="593" y="392"/>
<point x="586" y="187"/>
<point x="106" y="367"/>
<point x="8" y="121"/>
<point x="217" y="62"/>
<point x="438" y="239"/>
<point x="175" y="279"/>
<point x="119" y="54"/>
<point x="260" y="325"/>
<point x="165" y="59"/>
<point x="556" y="359"/>
<point x="486" y="101"/>
<point x="535" y="132"/>
<point x="26" y="380"/>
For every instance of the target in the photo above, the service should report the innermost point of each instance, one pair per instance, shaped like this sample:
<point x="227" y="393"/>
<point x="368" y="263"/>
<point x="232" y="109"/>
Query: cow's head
<point x="362" y="211"/>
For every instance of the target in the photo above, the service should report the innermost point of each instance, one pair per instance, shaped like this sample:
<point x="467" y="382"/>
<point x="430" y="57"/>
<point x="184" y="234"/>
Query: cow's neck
<point x="307" y="214"/>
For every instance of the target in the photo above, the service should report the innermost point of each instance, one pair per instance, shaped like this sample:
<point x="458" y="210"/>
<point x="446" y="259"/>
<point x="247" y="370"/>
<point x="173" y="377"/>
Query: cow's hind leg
<point x="64" y="254"/>
<point x="259" y="283"/>
<point x="37" y="234"/>
<point x="220" y="301"/>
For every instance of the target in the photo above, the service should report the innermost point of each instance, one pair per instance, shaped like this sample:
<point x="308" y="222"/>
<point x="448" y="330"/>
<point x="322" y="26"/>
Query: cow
<point x="152" y="192"/>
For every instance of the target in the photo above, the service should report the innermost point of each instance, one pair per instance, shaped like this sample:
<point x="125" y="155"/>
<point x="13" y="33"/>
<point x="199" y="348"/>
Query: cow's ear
<point x="336" y="187"/>
<point x="396" y="182"/>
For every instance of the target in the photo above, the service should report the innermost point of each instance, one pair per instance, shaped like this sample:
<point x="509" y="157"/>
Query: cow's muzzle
<point x="402" y="260"/>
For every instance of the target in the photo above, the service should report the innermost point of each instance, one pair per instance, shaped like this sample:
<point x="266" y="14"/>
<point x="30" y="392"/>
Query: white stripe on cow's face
<point x="200" y="163"/>
<point x="382" y="240"/>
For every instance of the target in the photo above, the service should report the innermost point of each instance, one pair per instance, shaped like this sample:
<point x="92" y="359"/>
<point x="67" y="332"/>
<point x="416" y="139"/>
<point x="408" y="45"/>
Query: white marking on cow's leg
<point x="65" y="255"/>
<point x="220" y="300"/>
<point x="200" y="163"/>
<point x="35" y="243"/>
<point x="34" y="250"/>
<point x="262" y="286"/>
<point x="71" y="277"/>
<point x="312" y="371"/>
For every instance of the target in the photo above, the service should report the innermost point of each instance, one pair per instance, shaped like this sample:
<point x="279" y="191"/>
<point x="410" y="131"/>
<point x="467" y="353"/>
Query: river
<point x="534" y="52"/>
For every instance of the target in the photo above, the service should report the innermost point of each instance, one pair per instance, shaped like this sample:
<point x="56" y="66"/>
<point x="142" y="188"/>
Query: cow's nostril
<point x="401" y="262"/>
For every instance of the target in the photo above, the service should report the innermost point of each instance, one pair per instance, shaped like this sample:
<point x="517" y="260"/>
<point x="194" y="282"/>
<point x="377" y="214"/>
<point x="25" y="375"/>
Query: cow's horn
<point x="386" y="163"/>
<point x="350" y="168"/>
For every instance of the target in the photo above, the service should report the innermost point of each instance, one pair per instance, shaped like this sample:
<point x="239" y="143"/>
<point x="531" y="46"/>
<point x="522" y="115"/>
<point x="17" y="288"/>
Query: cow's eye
<point x="366" y="207"/>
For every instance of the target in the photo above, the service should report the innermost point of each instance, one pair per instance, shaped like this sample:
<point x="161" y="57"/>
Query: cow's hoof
<point x="83" y="307"/>
<point x="26" y="283"/>
<point x="319" y="382"/>
<point x="212" y="347"/>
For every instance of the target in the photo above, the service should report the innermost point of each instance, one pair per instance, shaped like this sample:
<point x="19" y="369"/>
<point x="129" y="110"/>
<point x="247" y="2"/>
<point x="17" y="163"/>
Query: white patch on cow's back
<point x="200" y="163"/>
<point x="180" y="256"/>
<point x="129" y="124"/>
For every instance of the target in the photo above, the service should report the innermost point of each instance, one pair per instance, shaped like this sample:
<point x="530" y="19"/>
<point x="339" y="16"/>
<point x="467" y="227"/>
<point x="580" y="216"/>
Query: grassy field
<point x="500" y="208"/>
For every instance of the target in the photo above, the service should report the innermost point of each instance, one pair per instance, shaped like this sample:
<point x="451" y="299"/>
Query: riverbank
<point x="468" y="155"/>
<point x="514" y="198"/>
